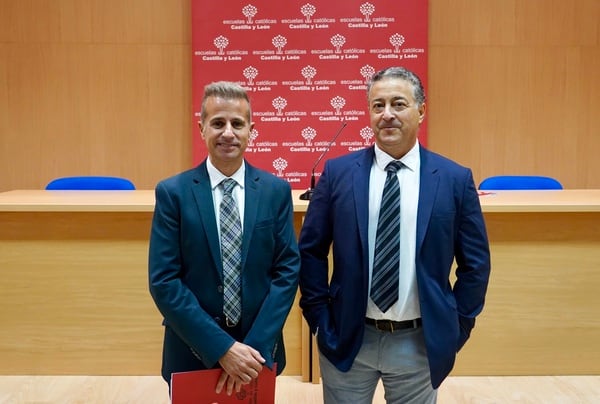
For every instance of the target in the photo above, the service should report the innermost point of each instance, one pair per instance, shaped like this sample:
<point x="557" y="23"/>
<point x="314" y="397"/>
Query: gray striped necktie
<point x="231" y="252"/>
<point x="386" y="263"/>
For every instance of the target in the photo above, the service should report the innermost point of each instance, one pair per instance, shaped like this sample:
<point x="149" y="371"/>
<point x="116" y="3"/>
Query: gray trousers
<point x="397" y="358"/>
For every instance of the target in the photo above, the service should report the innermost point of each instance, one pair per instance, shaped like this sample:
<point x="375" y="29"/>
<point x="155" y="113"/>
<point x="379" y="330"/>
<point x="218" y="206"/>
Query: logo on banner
<point x="367" y="72"/>
<point x="280" y="164"/>
<point x="221" y="43"/>
<point x="309" y="72"/>
<point x="367" y="134"/>
<point x="279" y="104"/>
<point x="338" y="41"/>
<point x="279" y="42"/>
<point x="253" y="135"/>
<point x="338" y="103"/>
<point x="309" y="134"/>
<point x="250" y="23"/>
<point x="250" y="74"/>
<point x="397" y="40"/>
<point x="249" y="12"/>
<point x="259" y="147"/>
<point x="367" y="10"/>
<point x="308" y="10"/>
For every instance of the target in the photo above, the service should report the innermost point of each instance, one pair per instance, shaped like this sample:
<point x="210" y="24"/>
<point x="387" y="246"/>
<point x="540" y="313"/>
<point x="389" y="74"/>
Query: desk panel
<point x="74" y="296"/>
<point x="543" y="301"/>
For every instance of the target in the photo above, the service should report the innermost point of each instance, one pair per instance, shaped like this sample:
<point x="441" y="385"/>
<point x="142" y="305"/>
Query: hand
<point x="241" y="364"/>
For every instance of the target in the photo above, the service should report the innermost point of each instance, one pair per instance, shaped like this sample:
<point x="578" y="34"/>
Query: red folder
<point x="198" y="387"/>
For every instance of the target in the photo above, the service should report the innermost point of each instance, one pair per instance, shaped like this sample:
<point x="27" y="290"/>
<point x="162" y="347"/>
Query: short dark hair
<point x="226" y="90"/>
<point x="400" y="73"/>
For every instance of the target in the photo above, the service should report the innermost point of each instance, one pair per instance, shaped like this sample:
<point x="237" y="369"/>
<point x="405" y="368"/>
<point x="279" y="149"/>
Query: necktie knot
<point x="228" y="185"/>
<point x="393" y="167"/>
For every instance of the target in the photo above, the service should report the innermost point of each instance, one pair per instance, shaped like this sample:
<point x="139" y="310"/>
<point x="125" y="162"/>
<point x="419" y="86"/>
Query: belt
<point x="391" y="326"/>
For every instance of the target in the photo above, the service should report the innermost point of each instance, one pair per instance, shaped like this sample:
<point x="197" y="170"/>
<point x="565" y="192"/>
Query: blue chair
<point x="90" y="182"/>
<point x="519" y="182"/>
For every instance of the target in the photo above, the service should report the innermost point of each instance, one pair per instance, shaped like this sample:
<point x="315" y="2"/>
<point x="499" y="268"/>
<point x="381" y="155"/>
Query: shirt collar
<point x="216" y="177"/>
<point x="410" y="159"/>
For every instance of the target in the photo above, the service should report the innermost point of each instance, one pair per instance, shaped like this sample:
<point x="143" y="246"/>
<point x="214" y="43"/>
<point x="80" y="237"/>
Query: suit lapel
<point x="252" y="199"/>
<point x="361" y="196"/>
<point x="428" y="189"/>
<point x="204" y="202"/>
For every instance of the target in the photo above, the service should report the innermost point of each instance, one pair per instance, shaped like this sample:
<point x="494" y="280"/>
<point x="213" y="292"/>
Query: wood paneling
<point x="541" y="121"/>
<point x="514" y="87"/>
<point x="94" y="87"/>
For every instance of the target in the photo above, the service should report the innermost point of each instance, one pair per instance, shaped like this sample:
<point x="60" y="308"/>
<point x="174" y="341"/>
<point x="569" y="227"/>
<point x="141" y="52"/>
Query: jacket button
<point x="220" y="289"/>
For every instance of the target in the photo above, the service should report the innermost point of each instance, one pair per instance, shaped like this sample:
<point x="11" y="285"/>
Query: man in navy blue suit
<point x="410" y="341"/>
<point x="188" y="274"/>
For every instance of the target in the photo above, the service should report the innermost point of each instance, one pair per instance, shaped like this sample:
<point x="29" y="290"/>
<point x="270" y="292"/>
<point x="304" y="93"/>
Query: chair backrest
<point x="90" y="182"/>
<point x="516" y="182"/>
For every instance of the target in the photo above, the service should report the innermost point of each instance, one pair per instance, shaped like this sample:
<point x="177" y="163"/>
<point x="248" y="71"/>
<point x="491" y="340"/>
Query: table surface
<point x="568" y="200"/>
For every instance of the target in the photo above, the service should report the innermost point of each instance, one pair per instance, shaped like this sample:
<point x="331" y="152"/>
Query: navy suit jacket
<point x="450" y="227"/>
<point x="185" y="269"/>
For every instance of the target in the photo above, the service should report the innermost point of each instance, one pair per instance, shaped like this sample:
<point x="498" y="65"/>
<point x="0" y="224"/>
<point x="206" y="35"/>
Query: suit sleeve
<point x="315" y="242"/>
<point x="473" y="261"/>
<point x="175" y="301"/>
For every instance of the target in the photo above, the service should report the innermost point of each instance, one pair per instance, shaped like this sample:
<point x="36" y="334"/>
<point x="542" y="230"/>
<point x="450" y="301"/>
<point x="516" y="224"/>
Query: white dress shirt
<point x="407" y="306"/>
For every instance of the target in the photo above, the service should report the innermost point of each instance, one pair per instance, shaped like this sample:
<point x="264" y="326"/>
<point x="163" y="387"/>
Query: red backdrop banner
<point x="305" y="65"/>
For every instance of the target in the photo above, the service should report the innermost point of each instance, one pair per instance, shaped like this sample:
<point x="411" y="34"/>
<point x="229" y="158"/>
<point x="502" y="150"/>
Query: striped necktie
<point x="386" y="263"/>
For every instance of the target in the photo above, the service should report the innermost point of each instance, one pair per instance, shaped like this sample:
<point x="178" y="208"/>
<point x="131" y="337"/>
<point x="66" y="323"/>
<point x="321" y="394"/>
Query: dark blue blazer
<point x="185" y="269"/>
<point x="450" y="227"/>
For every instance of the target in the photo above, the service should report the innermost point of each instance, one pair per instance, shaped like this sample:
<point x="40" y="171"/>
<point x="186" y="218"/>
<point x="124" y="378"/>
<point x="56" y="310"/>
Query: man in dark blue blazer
<point x="411" y="344"/>
<point x="185" y="259"/>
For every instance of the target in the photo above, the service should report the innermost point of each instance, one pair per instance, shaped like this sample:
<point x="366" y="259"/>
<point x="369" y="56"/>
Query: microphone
<point x="308" y="194"/>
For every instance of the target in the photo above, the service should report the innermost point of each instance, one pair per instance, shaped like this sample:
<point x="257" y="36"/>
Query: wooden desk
<point x="543" y="303"/>
<point x="74" y="297"/>
<point x="74" y="293"/>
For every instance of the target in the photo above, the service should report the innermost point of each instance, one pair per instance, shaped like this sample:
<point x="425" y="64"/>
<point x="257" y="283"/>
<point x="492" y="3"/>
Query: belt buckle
<point x="391" y="325"/>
